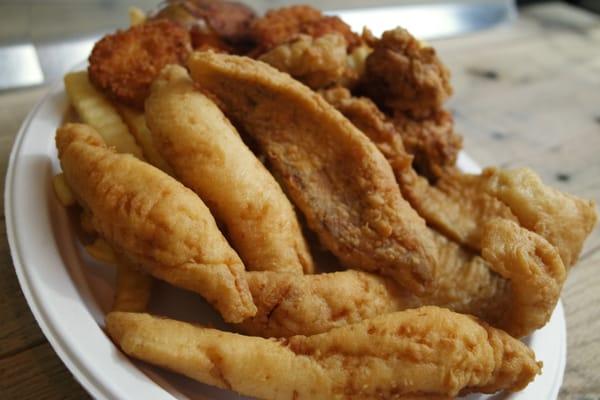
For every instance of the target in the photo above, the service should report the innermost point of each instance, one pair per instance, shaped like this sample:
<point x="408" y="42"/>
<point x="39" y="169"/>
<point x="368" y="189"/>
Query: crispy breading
<point x="281" y="25"/>
<point x="209" y="157"/>
<point x="514" y="287"/>
<point x="453" y="206"/>
<point x="156" y="222"/>
<point x="315" y="62"/>
<point x="562" y="219"/>
<point x="404" y="75"/>
<point x="534" y="268"/>
<point x="124" y="64"/>
<point x="427" y="353"/>
<point x="289" y="305"/>
<point x="431" y="140"/>
<point x="333" y="173"/>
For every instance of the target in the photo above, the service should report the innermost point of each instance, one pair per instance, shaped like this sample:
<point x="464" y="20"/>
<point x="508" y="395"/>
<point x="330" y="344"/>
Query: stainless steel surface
<point x="19" y="66"/>
<point x="58" y="34"/>
<point x="432" y="21"/>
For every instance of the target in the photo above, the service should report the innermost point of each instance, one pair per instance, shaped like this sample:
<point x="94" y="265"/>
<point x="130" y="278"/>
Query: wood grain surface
<point x="525" y="95"/>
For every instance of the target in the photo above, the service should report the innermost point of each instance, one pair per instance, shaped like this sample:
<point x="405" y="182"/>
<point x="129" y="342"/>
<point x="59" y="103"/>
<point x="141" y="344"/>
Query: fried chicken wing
<point x="428" y="353"/>
<point x="209" y="157"/>
<point x="160" y="225"/>
<point x="402" y="74"/>
<point x="346" y="189"/>
<point x="315" y="62"/>
<point x="284" y="24"/>
<point x="124" y="64"/>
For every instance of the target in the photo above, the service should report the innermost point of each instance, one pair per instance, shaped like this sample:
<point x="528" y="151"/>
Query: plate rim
<point x="73" y="361"/>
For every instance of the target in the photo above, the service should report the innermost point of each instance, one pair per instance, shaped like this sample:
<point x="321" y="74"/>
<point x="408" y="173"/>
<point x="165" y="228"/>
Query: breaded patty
<point x="124" y="64"/>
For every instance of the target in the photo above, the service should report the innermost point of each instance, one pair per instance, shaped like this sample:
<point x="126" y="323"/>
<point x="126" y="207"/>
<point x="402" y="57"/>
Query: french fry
<point x="133" y="287"/>
<point x="95" y="110"/>
<point x="101" y="251"/>
<point x="136" y="121"/>
<point x="63" y="191"/>
<point x="136" y="16"/>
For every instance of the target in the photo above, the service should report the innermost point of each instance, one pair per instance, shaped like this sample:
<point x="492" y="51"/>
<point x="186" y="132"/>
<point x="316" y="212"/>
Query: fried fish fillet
<point x="314" y="304"/>
<point x="427" y="353"/>
<point x="334" y="174"/>
<point x="209" y="157"/>
<point x="160" y="225"/>
<point x="534" y="268"/>
<point x="562" y="219"/>
<point x="289" y="305"/>
<point x="515" y="287"/>
<point x="459" y="205"/>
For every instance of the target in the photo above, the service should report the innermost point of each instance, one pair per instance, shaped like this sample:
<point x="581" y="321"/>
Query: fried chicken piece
<point x="315" y="62"/>
<point x="157" y="223"/>
<point x="284" y="24"/>
<point x="428" y="353"/>
<point x="431" y="140"/>
<point x="562" y="219"/>
<point x="209" y="157"/>
<point x="404" y="75"/>
<point x="124" y="64"/>
<point x="346" y="189"/>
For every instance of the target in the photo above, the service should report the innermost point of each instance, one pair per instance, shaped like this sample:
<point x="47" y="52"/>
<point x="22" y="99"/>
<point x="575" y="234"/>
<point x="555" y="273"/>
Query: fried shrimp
<point x="124" y="64"/>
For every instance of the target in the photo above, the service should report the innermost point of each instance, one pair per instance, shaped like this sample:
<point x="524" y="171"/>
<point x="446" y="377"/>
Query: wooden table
<point x="526" y="95"/>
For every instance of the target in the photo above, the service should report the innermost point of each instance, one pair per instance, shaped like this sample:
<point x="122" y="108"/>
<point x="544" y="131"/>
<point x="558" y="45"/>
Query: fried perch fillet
<point x="306" y="305"/>
<point x="154" y="220"/>
<point x="534" y="268"/>
<point x="428" y="353"/>
<point x="281" y="25"/>
<point x="333" y="172"/>
<point x="459" y="205"/>
<point x="289" y="305"/>
<point x="515" y="287"/>
<point x="124" y="64"/>
<point x="404" y="75"/>
<point x="562" y="219"/>
<point x="315" y="62"/>
<point x="456" y="210"/>
<point x="209" y="157"/>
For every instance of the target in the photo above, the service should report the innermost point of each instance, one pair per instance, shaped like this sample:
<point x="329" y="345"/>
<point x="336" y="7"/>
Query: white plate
<point x="69" y="293"/>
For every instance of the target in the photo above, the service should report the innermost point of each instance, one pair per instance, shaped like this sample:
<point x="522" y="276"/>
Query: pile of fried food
<point x="239" y="157"/>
